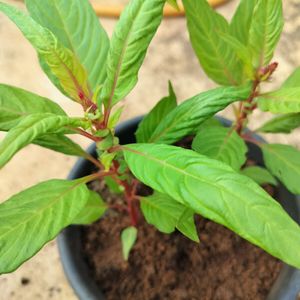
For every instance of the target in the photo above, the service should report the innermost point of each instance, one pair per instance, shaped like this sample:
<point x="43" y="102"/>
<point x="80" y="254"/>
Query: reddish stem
<point x="86" y="134"/>
<point x="246" y="108"/>
<point x="130" y="193"/>
<point x="249" y="138"/>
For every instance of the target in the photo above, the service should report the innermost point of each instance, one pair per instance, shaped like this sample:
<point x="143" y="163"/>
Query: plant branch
<point x="87" y="135"/>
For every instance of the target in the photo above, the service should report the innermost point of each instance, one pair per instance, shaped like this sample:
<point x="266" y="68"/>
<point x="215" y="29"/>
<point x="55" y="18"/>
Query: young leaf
<point x="223" y="144"/>
<point x="16" y="103"/>
<point x="215" y="191"/>
<point x="217" y="58"/>
<point x="35" y="216"/>
<point x="63" y="64"/>
<point x="283" y="161"/>
<point x="94" y="209"/>
<point x="284" y="100"/>
<point x="242" y="20"/>
<point x="148" y="125"/>
<point x="293" y="81"/>
<point x="129" y="44"/>
<point x="60" y="143"/>
<point x="265" y="30"/>
<point x="77" y="27"/>
<point x="260" y="175"/>
<point x="188" y="116"/>
<point x="128" y="238"/>
<point x="31" y="128"/>
<point x="166" y="214"/>
<point x="281" y="124"/>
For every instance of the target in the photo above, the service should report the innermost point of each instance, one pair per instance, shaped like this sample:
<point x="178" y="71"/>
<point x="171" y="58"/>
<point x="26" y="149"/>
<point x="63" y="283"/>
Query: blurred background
<point x="170" y="57"/>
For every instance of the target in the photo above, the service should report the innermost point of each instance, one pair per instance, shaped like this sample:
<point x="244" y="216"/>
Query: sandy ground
<point x="170" y="57"/>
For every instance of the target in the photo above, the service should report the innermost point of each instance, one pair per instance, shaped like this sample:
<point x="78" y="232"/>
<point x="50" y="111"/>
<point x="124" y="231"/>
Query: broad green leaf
<point x="260" y="175"/>
<point x="211" y="122"/>
<point x="285" y="100"/>
<point x="281" y="124"/>
<point x="166" y="214"/>
<point x="265" y="30"/>
<point x="77" y="27"/>
<point x="293" y="81"/>
<point x="223" y="144"/>
<point x="35" y="216"/>
<point x="30" y="129"/>
<point x="215" y="191"/>
<point x="243" y="53"/>
<point x="148" y="125"/>
<point x="94" y="209"/>
<point x="283" y="161"/>
<point x="128" y="238"/>
<point x="242" y="20"/>
<point x="188" y="116"/>
<point x="131" y="38"/>
<point x="60" y="143"/>
<point x="63" y="64"/>
<point x="217" y="58"/>
<point x="16" y="103"/>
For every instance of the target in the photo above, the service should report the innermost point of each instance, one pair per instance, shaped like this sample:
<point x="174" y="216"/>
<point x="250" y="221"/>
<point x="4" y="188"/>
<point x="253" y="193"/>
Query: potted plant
<point x="157" y="179"/>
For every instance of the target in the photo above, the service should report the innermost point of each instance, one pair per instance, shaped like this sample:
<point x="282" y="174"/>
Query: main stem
<point x="247" y="107"/>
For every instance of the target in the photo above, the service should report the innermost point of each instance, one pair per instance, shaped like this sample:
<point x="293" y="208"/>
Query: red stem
<point x="249" y="138"/>
<point x="86" y="134"/>
<point x="246" y="109"/>
<point x="130" y="194"/>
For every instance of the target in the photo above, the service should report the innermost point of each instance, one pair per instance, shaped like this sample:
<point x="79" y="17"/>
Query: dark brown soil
<point x="162" y="267"/>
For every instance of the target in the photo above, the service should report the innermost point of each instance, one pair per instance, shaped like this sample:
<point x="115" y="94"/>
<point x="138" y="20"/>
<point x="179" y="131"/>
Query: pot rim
<point x="286" y="286"/>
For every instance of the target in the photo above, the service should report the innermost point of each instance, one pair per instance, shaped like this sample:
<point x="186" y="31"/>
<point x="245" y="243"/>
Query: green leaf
<point x="188" y="116"/>
<point x="260" y="175"/>
<point x="281" y="124"/>
<point x="243" y="53"/>
<point x="283" y="161"/>
<point x="113" y="186"/>
<point x="166" y="214"/>
<point x="35" y="216"/>
<point x="265" y="31"/>
<point x="211" y="122"/>
<point x="242" y="20"/>
<point x="16" y="103"/>
<point x="148" y="125"/>
<point x="223" y="144"/>
<point x="60" y="143"/>
<point x="186" y="225"/>
<point x="217" y="58"/>
<point x="63" y="64"/>
<point x="129" y="44"/>
<point x="293" y="81"/>
<point x="128" y="238"/>
<point x="77" y="27"/>
<point x="215" y="191"/>
<point x="30" y="129"/>
<point x="285" y="100"/>
<point x="94" y="209"/>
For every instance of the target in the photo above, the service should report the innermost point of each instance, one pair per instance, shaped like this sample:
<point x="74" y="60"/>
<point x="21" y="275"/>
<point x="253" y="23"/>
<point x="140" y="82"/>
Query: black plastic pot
<point x="287" y="286"/>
